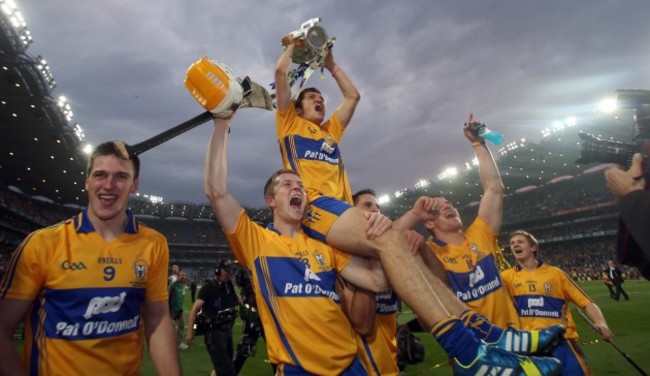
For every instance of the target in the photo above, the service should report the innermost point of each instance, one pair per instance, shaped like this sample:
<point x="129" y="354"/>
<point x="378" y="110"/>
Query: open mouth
<point x="107" y="199"/>
<point x="318" y="108"/>
<point x="295" y="200"/>
<point x="517" y="250"/>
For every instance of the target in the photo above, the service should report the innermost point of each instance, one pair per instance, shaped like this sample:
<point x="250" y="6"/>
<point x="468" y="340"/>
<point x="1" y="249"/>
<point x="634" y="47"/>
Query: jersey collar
<point x="82" y="223"/>
<point x="272" y="228"/>
<point x="540" y="262"/>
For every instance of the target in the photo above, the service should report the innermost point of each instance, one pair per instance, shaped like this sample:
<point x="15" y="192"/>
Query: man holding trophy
<point x="310" y="147"/>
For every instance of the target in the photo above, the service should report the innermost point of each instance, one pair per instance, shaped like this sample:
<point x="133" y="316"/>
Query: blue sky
<point x="421" y="66"/>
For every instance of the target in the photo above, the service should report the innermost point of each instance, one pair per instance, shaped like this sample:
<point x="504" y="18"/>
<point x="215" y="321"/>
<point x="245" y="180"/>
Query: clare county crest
<point x="320" y="258"/>
<point x="140" y="268"/>
<point x="547" y="288"/>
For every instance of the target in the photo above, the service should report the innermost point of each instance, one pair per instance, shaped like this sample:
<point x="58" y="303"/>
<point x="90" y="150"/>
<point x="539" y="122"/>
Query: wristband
<point x="336" y="69"/>
<point x="477" y="143"/>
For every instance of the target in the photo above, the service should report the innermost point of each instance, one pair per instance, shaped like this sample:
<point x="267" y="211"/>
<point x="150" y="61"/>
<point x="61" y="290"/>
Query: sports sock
<point x="481" y="326"/>
<point x="456" y="339"/>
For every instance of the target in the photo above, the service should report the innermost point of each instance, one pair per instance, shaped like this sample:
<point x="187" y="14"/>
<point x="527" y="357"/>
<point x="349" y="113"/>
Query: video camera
<point x="595" y="149"/>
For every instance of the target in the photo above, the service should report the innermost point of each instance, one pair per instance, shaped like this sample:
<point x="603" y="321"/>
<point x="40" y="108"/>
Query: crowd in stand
<point x="571" y="218"/>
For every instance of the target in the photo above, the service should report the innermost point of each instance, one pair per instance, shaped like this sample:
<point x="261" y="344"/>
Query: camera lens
<point x="596" y="150"/>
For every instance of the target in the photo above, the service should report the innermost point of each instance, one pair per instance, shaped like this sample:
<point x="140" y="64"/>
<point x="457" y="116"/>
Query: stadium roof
<point x="41" y="150"/>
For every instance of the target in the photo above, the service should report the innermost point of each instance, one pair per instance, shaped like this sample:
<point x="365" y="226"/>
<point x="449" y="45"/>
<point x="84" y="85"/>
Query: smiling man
<point x="542" y="294"/>
<point x="88" y="288"/>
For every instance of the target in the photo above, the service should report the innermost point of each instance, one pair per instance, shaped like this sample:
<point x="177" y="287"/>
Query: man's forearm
<point x="488" y="171"/>
<point x="162" y="346"/>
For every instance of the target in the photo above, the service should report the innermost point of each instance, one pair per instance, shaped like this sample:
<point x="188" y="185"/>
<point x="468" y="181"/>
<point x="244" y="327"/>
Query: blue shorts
<point x="355" y="369"/>
<point x="572" y="358"/>
<point x="321" y="214"/>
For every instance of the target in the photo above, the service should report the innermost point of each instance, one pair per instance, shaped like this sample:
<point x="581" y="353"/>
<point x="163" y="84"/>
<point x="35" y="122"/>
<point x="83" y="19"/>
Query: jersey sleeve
<point x="340" y="260"/>
<point x="25" y="273"/>
<point x="157" y="288"/>
<point x="573" y="292"/>
<point x="284" y="120"/>
<point x="480" y="230"/>
<point x="335" y="128"/>
<point x="245" y="240"/>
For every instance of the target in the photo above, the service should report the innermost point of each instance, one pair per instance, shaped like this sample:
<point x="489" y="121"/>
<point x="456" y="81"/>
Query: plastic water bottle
<point x="479" y="129"/>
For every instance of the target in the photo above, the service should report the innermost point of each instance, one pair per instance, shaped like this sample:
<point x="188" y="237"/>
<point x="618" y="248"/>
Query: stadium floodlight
<point x="608" y="105"/>
<point x="571" y="121"/>
<point x="422" y="183"/>
<point x="88" y="149"/>
<point x="448" y="173"/>
<point x="16" y="20"/>
<point x="384" y="199"/>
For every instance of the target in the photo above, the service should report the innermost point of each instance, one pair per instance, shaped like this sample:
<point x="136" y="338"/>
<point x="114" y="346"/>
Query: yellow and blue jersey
<point x="87" y="296"/>
<point x="379" y="351"/>
<point x="294" y="278"/>
<point x="312" y="151"/>
<point x="474" y="275"/>
<point x="542" y="297"/>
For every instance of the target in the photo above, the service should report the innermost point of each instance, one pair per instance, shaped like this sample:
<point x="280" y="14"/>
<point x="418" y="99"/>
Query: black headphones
<point x="223" y="264"/>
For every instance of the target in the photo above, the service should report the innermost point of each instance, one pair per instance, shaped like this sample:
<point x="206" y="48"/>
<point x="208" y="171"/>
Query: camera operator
<point x="251" y="319"/>
<point x="217" y="301"/>
<point x="634" y="208"/>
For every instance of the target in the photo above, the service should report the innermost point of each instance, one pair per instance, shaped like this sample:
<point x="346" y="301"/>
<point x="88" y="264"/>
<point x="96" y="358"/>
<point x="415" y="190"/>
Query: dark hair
<point x="367" y="191"/>
<point x="298" y="102"/>
<point x="271" y="183"/>
<point x="118" y="149"/>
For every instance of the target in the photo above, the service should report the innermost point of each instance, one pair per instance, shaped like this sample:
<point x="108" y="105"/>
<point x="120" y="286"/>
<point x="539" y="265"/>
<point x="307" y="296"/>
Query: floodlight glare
<point x="608" y="105"/>
<point x="383" y="199"/>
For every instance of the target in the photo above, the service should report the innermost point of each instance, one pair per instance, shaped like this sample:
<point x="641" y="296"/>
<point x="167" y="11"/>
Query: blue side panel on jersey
<point x="316" y="150"/>
<point x="386" y="303"/>
<point x="292" y="277"/>
<point x="480" y="282"/>
<point x="77" y="314"/>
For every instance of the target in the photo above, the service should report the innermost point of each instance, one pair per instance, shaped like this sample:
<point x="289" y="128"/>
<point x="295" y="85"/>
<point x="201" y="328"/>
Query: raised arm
<point x="226" y="208"/>
<point x="491" y="208"/>
<point x="282" y="88"/>
<point x="351" y="95"/>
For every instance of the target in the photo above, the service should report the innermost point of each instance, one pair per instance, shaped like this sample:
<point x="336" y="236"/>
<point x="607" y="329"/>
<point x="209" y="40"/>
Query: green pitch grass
<point x="627" y="319"/>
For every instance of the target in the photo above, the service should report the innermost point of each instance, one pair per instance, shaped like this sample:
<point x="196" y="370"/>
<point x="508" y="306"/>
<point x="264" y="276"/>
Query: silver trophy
<point x="315" y="42"/>
<point x="310" y="55"/>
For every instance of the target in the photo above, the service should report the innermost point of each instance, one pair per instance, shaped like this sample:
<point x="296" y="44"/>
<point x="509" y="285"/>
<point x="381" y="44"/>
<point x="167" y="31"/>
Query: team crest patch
<point x="547" y="288"/>
<point x="140" y="268"/>
<point x="320" y="259"/>
<point x="474" y="248"/>
<point x="311" y="216"/>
